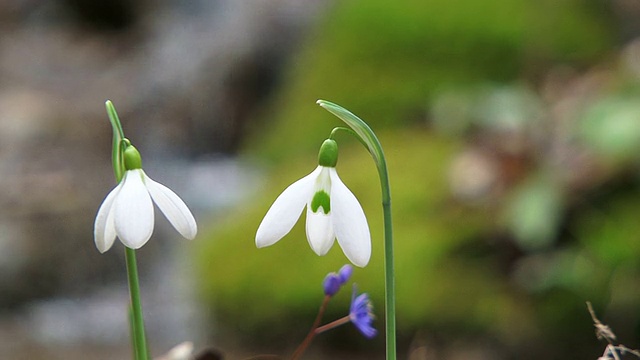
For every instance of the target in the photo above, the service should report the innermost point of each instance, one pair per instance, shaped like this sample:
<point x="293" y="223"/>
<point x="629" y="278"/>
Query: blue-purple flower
<point x="333" y="282"/>
<point x="361" y="314"/>
<point x="345" y="273"/>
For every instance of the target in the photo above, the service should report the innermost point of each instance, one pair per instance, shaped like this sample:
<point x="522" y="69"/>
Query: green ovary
<point x="321" y="199"/>
<point x="132" y="158"/>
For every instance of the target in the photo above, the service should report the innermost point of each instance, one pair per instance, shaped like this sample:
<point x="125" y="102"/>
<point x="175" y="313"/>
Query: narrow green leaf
<point x="118" y="135"/>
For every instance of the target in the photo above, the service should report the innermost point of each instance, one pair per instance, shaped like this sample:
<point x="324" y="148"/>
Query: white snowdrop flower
<point x="127" y="212"/>
<point x="333" y="212"/>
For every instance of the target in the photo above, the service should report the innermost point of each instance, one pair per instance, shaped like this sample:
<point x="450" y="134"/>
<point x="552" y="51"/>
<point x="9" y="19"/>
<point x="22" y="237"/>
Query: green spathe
<point x="321" y="199"/>
<point x="328" y="155"/>
<point x="132" y="159"/>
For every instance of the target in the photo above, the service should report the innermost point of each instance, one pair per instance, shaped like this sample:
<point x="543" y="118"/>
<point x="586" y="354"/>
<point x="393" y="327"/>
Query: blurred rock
<point x="474" y="176"/>
<point x="187" y="79"/>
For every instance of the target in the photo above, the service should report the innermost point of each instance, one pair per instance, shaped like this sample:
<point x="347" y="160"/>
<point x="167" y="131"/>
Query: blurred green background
<point x="512" y="130"/>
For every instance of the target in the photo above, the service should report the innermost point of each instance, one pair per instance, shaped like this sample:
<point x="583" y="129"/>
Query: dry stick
<point x="604" y="332"/>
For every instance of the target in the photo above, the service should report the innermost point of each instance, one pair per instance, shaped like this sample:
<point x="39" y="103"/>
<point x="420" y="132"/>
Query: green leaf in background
<point x="533" y="212"/>
<point x="611" y="127"/>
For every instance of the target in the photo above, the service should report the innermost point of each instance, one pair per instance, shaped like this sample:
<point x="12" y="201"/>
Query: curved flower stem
<point x="366" y="136"/>
<point x="137" y="320"/>
<point x="312" y="333"/>
<point x="348" y="130"/>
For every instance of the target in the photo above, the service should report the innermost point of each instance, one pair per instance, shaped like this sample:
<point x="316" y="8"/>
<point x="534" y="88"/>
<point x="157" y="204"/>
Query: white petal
<point x="319" y="231"/>
<point x="133" y="211"/>
<point x="285" y="211"/>
<point x="104" y="231"/>
<point x="349" y="223"/>
<point x="319" y="225"/>
<point x="172" y="207"/>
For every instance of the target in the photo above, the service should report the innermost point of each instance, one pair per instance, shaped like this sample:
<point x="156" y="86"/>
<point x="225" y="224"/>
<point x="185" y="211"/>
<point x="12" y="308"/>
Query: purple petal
<point x="345" y="273"/>
<point x="331" y="284"/>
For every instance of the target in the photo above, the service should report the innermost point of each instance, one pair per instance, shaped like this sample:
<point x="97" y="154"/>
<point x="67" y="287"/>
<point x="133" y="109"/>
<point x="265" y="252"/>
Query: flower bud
<point x="345" y="273"/>
<point x="331" y="284"/>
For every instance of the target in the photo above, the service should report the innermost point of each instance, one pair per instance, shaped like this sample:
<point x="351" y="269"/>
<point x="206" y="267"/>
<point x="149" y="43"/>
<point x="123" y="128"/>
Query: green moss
<point x="385" y="59"/>
<point x="609" y="230"/>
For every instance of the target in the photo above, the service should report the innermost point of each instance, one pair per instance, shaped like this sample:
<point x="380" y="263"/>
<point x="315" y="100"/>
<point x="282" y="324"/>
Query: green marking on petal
<point x="321" y="199"/>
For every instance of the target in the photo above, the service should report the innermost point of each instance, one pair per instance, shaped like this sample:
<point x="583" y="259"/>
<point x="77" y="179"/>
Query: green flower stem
<point x="366" y="136"/>
<point x="137" y="320"/>
<point x="139" y="338"/>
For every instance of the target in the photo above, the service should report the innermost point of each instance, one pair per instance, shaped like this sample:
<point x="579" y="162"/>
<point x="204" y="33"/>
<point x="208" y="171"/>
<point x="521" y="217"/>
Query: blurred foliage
<point x="513" y="203"/>
<point x="612" y="128"/>
<point x="388" y="58"/>
<point x="533" y="213"/>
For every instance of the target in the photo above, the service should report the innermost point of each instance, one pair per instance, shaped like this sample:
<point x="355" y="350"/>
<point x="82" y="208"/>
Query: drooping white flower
<point x="333" y="212"/>
<point x="127" y="212"/>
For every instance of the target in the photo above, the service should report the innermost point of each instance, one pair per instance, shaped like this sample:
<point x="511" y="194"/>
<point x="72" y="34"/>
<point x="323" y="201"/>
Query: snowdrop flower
<point x="333" y="212"/>
<point x="127" y="212"/>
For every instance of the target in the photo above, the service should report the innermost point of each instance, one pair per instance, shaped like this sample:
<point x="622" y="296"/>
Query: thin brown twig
<point x="312" y="332"/>
<point x="604" y="332"/>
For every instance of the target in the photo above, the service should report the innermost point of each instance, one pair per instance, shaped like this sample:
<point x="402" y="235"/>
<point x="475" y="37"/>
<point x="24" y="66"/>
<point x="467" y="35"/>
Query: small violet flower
<point x="333" y="212"/>
<point x="361" y="314"/>
<point x="127" y="212"/>
<point x="345" y="273"/>
<point x="333" y="282"/>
